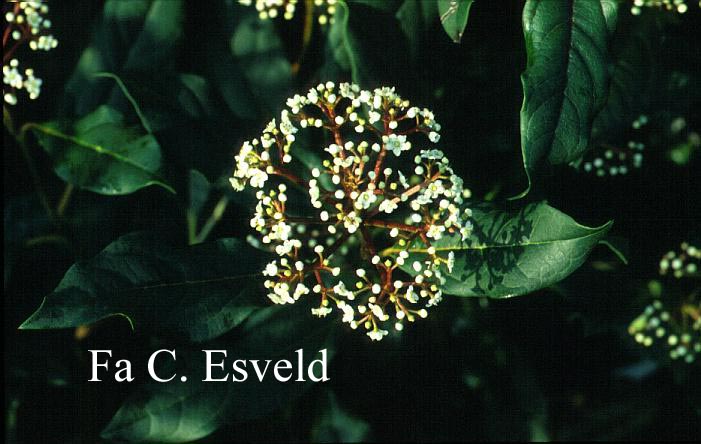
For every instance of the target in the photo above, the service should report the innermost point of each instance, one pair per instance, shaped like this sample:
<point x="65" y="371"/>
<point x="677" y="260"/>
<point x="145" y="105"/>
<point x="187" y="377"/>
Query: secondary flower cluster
<point x="679" y="6"/>
<point x="684" y="143"/>
<point x="612" y="160"/>
<point x="27" y="22"/>
<point x="359" y="234"/>
<point x="274" y="8"/>
<point x="681" y="332"/>
<point x="685" y="263"/>
<point x="680" y="328"/>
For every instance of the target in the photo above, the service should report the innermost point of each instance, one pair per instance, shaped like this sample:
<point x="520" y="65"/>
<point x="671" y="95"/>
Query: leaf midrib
<point x="483" y="247"/>
<point x="99" y="150"/>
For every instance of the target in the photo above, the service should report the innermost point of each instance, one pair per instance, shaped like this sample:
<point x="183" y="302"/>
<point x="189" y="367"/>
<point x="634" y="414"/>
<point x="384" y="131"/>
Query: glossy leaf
<point x="516" y="254"/>
<point x="566" y="80"/>
<point x="101" y="153"/>
<point x="454" y="15"/>
<point x="198" y="292"/>
<point x="181" y="412"/>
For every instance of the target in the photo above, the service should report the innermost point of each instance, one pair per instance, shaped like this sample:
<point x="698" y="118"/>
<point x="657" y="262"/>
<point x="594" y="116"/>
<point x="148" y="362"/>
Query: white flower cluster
<point x="364" y="215"/>
<point x="679" y="6"/>
<point x="614" y="161"/>
<point x="26" y="23"/>
<point x="680" y="333"/>
<point x="683" y="264"/>
<point x="274" y="8"/>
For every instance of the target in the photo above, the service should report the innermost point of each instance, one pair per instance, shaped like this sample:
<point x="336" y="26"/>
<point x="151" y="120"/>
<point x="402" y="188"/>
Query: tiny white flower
<point x="377" y="335"/>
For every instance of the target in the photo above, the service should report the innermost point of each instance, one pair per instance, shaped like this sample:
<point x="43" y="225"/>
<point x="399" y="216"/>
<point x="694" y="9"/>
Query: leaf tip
<point x="30" y="322"/>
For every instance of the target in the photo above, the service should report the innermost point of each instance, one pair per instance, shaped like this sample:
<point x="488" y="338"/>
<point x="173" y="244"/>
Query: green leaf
<point x="181" y="412"/>
<point x="334" y="424"/>
<point x="164" y="100"/>
<point x="181" y="111"/>
<point x="245" y="60"/>
<point x="133" y="35"/>
<point x="343" y="47"/>
<point x="102" y="154"/>
<point x="198" y="292"/>
<point x="415" y="18"/>
<point x="516" y="254"/>
<point x="633" y="80"/>
<point x="259" y="52"/>
<point x="199" y="192"/>
<point x="566" y="80"/>
<point x="454" y="15"/>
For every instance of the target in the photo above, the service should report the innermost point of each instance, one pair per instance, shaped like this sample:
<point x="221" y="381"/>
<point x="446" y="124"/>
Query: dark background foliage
<point x="556" y="364"/>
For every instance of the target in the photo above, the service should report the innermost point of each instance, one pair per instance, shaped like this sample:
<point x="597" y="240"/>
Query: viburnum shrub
<point x="377" y="194"/>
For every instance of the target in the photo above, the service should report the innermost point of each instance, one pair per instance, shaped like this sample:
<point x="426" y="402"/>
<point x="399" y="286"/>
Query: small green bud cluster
<point x="270" y="9"/>
<point x="27" y="22"/>
<point x="681" y="334"/>
<point x="679" y="329"/>
<point x="679" y="6"/>
<point x="685" y="142"/>
<point x="612" y="160"/>
<point x="684" y="263"/>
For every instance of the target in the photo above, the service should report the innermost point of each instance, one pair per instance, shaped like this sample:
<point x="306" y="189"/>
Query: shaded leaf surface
<point x="181" y="412"/>
<point x="344" y="49"/>
<point x="199" y="292"/>
<point x="135" y="35"/>
<point x="415" y="19"/>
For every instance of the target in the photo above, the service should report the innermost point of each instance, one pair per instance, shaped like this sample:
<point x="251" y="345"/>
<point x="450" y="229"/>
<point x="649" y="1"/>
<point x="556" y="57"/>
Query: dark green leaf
<point x="199" y="192"/>
<point x="245" y="60"/>
<point x="632" y="79"/>
<point x="415" y="18"/>
<point x="181" y="111"/>
<point x="101" y="154"/>
<point x="165" y="100"/>
<point x="335" y="424"/>
<point x="134" y="35"/>
<point x="343" y="47"/>
<point x="454" y="15"/>
<point x="259" y="51"/>
<point x="199" y="292"/>
<point x="566" y="80"/>
<point x="516" y="254"/>
<point x="180" y="412"/>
